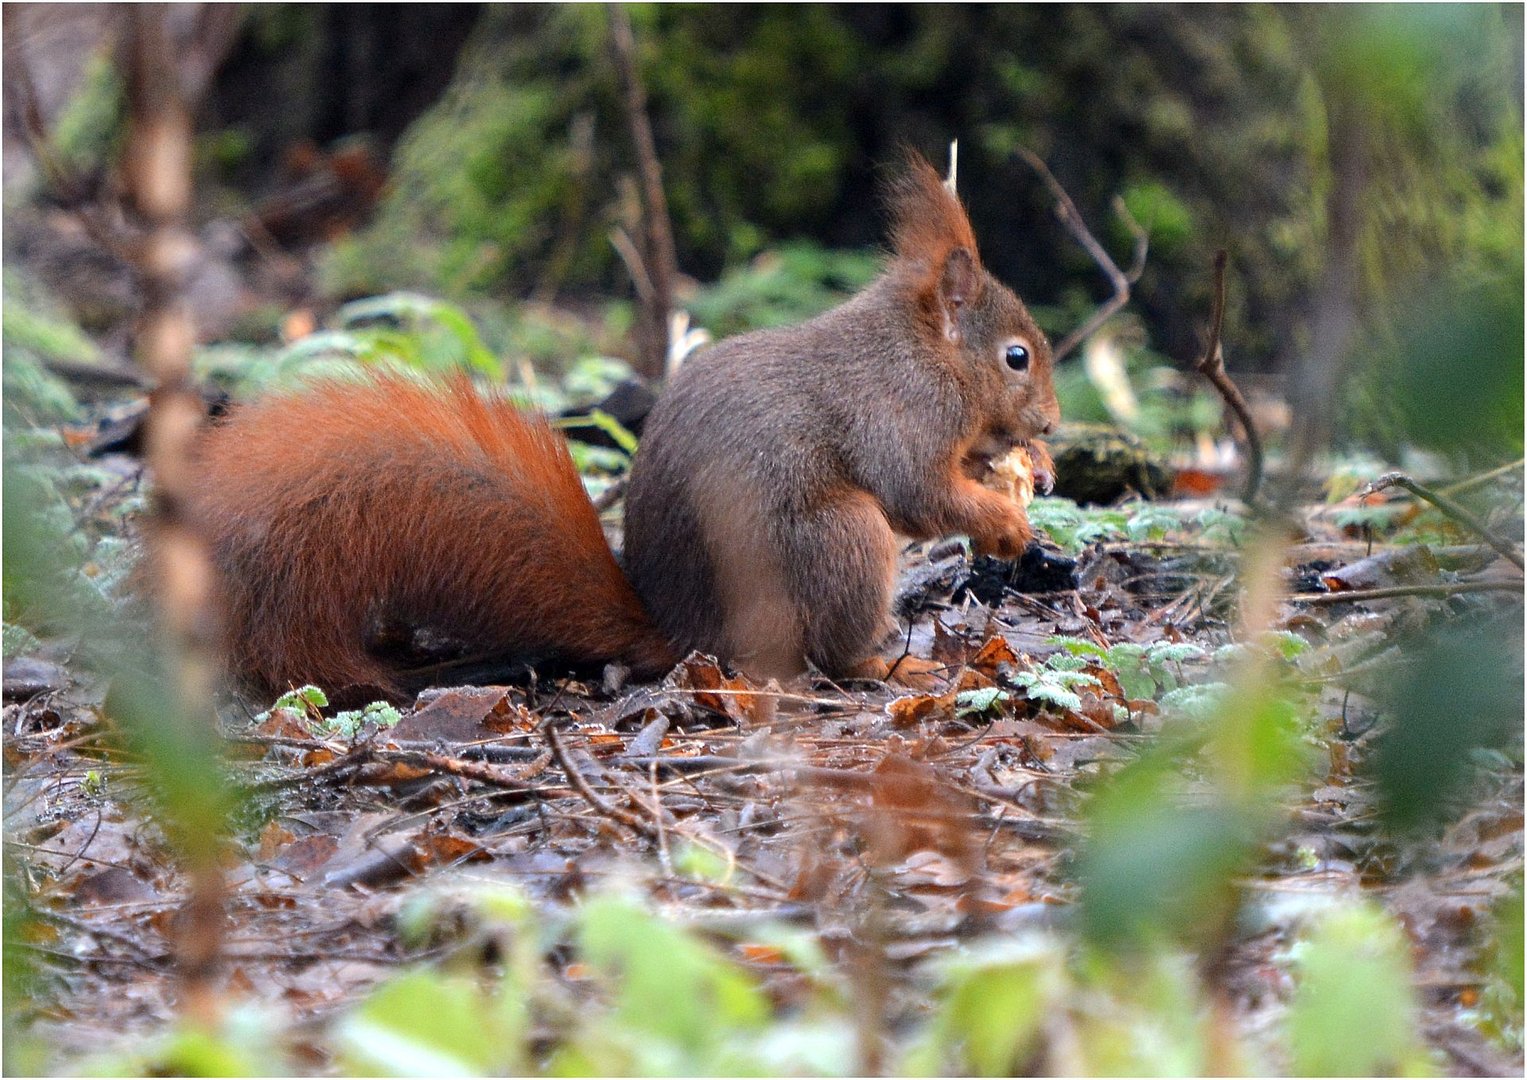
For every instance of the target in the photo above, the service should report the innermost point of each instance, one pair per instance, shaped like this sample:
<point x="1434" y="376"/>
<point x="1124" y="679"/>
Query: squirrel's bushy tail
<point x="365" y="531"/>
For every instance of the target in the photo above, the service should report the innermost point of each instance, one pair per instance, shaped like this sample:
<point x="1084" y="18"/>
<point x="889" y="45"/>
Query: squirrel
<point x="369" y="536"/>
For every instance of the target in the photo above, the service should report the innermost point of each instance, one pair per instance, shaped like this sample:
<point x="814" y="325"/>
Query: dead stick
<point x="1471" y="482"/>
<point x="1121" y="281"/>
<point x="1451" y="509"/>
<point x="581" y="785"/>
<point x="157" y="172"/>
<point x="478" y="771"/>
<point x="1352" y="595"/>
<point x="1212" y="366"/>
<point x="610" y="496"/>
<point x="70" y="188"/>
<point x="657" y="233"/>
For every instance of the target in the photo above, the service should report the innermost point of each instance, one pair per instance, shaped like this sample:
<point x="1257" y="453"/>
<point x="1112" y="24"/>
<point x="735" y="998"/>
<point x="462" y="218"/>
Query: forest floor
<point x="889" y="826"/>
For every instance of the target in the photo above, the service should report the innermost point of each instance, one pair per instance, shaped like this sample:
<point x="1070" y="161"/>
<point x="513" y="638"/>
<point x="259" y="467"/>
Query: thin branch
<point x="158" y="186"/>
<point x="625" y="247"/>
<point x="71" y="189"/>
<point x="1511" y="468"/>
<point x="1352" y="595"/>
<point x="1121" y="281"/>
<point x="1452" y="509"/>
<point x="477" y="771"/>
<point x="610" y="495"/>
<point x="1212" y="367"/>
<point x="658" y="254"/>
<point x="590" y="796"/>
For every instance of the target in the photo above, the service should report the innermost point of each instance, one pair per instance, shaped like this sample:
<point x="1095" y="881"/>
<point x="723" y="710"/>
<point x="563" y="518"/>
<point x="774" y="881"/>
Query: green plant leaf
<point x="1354" y="1012"/>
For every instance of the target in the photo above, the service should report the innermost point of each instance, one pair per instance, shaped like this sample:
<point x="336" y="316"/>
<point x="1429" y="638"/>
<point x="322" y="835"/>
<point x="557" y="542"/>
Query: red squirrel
<point x="360" y="529"/>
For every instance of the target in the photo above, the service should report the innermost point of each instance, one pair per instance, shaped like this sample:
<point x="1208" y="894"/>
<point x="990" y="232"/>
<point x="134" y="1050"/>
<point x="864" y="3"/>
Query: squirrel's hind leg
<point x="841" y="563"/>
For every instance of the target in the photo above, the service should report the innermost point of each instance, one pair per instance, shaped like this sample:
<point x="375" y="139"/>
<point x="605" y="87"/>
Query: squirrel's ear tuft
<point x="927" y="220"/>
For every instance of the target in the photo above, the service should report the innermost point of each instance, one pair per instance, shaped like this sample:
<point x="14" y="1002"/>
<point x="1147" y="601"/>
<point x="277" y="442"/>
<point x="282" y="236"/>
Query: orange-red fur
<point x="927" y="220"/>
<point x="359" y="526"/>
<point x="351" y="512"/>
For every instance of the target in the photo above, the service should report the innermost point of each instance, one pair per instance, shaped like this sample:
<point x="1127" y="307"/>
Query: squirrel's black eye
<point x="1017" y="357"/>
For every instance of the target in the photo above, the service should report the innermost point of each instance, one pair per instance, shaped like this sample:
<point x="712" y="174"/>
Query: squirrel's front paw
<point x="1006" y="535"/>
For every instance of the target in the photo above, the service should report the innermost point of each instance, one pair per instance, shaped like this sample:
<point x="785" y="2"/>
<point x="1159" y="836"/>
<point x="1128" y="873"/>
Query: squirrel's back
<point x="368" y="532"/>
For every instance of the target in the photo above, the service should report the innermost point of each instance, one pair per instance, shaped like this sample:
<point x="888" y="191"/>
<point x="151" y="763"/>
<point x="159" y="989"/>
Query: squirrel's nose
<point x="1049" y="426"/>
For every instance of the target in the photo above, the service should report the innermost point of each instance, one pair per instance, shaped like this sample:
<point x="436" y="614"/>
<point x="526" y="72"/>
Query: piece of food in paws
<point x="1012" y="474"/>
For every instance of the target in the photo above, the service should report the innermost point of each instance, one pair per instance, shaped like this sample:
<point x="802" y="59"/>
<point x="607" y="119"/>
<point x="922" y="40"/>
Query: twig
<point x="105" y="933"/>
<point x="1451" y="509"/>
<point x="1471" y="482"/>
<point x="610" y="496"/>
<point x="481" y="772"/>
<point x="581" y="785"/>
<point x="71" y="189"/>
<point x="656" y="232"/>
<point x="157" y="169"/>
<point x="625" y="247"/>
<point x="1212" y="366"/>
<point x="1351" y="595"/>
<point x="1121" y="280"/>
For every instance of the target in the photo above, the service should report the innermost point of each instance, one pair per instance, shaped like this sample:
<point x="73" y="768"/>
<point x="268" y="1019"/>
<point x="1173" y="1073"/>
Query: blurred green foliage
<point x="1426" y="93"/>
<point x="781" y="287"/>
<point x="1171" y="832"/>
<point x="89" y="130"/>
<point x="672" y="1000"/>
<point x="1072" y="528"/>
<point x="1460" y="693"/>
<point x="34" y="331"/>
<point x="1354" y="977"/>
<point x="771" y="122"/>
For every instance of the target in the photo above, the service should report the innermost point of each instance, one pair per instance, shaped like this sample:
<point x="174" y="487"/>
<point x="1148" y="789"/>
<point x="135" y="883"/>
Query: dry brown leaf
<point x="273" y="838"/>
<point x="703" y="677"/>
<point x="284" y="724"/>
<point x="301" y="857"/>
<point x="446" y="849"/>
<point x="604" y="743"/>
<point x="949" y="648"/>
<point x="814" y="876"/>
<point x="971" y="679"/>
<point x="761" y="954"/>
<point x="397" y="772"/>
<point x="910" y="711"/>
<point x="914" y="809"/>
<point x="461" y="714"/>
<point x="111" y="885"/>
<point x="994" y="651"/>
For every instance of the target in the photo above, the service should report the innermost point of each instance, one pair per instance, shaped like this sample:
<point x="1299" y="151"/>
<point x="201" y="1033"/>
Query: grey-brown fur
<point x="775" y="468"/>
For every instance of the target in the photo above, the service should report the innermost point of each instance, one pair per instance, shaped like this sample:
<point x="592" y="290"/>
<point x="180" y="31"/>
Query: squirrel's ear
<point x="957" y="284"/>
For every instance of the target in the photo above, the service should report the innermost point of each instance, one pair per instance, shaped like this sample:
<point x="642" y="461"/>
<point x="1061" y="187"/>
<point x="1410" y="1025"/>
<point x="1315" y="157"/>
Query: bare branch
<point x="590" y="796"/>
<point x="157" y="176"/>
<point x="1212" y="366"/>
<point x="1071" y="218"/>
<point x="1452" y="510"/>
<point x="636" y="266"/>
<point x="1347" y="596"/>
<point x="610" y="495"/>
<point x="658" y="257"/>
